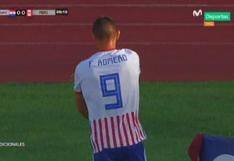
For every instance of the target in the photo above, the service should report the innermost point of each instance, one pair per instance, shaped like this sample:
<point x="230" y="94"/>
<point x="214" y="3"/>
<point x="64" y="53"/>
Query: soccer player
<point x="107" y="93"/>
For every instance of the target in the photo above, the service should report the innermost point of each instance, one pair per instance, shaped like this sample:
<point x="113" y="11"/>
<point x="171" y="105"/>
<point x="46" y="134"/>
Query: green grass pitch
<point x="44" y="117"/>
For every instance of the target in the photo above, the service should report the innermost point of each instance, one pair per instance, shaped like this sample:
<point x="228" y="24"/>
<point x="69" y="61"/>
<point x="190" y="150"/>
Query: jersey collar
<point x="107" y="50"/>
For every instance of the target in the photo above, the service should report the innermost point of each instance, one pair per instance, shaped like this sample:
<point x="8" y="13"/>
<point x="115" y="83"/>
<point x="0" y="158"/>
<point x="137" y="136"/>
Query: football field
<point x="44" y="117"/>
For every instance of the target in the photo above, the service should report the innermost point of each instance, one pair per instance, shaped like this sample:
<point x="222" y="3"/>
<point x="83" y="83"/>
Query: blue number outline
<point x="116" y="92"/>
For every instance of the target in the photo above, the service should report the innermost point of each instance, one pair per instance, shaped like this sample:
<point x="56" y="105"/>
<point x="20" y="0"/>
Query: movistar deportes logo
<point x="197" y="13"/>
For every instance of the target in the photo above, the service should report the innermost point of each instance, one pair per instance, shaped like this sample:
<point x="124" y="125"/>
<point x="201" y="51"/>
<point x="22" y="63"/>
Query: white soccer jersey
<point x="109" y="82"/>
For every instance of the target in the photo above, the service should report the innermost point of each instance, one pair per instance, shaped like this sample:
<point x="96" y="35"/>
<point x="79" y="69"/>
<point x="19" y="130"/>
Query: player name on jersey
<point x="112" y="60"/>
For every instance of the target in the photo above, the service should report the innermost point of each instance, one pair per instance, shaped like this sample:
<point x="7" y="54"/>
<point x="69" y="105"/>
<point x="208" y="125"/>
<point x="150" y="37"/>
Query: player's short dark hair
<point x="104" y="28"/>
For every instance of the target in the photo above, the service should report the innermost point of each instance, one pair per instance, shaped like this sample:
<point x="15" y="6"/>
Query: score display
<point x="34" y="12"/>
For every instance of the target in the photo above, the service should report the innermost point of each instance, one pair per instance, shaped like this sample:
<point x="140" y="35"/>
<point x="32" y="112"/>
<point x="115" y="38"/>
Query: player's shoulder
<point x="85" y="64"/>
<point x="82" y="66"/>
<point x="130" y="53"/>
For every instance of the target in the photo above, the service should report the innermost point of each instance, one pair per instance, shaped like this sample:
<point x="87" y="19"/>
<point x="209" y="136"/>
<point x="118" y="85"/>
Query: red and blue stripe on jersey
<point x="116" y="131"/>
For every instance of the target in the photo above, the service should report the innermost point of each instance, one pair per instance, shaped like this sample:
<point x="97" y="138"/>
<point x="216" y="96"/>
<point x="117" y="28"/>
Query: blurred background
<point x="172" y="43"/>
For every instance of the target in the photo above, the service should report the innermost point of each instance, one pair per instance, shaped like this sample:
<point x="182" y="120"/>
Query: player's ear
<point x="118" y="35"/>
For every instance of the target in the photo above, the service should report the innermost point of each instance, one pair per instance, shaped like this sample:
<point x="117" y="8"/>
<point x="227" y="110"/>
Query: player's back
<point x="109" y="82"/>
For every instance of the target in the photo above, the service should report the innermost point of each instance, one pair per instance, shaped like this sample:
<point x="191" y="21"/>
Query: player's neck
<point x="106" y="46"/>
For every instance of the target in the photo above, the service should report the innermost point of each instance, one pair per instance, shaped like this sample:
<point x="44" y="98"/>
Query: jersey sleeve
<point x="136" y="59"/>
<point x="138" y="63"/>
<point x="77" y="80"/>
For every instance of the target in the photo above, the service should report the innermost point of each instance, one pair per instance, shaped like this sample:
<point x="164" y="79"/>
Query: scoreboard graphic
<point x="34" y="12"/>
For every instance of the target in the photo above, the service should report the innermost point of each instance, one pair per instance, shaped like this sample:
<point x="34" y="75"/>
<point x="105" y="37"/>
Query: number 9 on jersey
<point x="111" y="79"/>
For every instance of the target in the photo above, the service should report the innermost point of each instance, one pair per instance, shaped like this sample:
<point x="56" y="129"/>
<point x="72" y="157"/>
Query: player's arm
<point x="81" y="105"/>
